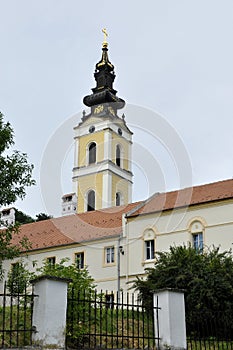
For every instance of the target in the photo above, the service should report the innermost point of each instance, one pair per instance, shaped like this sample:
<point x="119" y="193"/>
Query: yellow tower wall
<point x="116" y="140"/>
<point x="87" y="183"/>
<point x="84" y="141"/>
<point x="119" y="185"/>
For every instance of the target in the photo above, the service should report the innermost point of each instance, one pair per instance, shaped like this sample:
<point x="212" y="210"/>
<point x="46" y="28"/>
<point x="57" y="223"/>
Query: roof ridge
<point x="203" y="193"/>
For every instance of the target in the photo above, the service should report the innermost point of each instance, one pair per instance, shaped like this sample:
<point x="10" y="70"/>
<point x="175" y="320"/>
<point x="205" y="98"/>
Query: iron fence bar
<point x="25" y="313"/>
<point x="122" y="320"/>
<point x="106" y="312"/>
<point x="112" y="325"/>
<point x="11" y="318"/>
<point x="138" y="325"/>
<point x="148" y="315"/>
<point x="4" y="315"/>
<point x="101" y="305"/>
<point x="117" y="318"/>
<point x="95" y="315"/>
<point x="127" y="317"/>
<point x="89" y="322"/>
<point x="157" y="321"/>
<point x="72" y="312"/>
<point x="17" y="334"/>
<point x="31" y="311"/>
<point x="143" y="328"/>
<point x="133" y="319"/>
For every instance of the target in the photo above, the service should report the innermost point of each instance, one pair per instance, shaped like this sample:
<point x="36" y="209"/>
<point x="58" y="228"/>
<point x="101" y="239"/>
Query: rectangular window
<point x="150" y="249"/>
<point x="109" y="255"/>
<point x="79" y="260"/>
<point x="109" y="301"/>
<point x="51" y="260"/>
<point x="198" y="241"/>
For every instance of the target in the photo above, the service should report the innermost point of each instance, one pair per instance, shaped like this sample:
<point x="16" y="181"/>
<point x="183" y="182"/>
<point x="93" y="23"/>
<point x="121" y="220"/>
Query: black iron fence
<point x="108" y="320"/>
<point x="16" y="318"/>
<point x="211" y="330"/>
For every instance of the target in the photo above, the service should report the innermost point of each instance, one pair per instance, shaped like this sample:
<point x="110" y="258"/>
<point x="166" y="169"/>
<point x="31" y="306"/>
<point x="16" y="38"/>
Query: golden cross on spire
<point x="105" y="43"/>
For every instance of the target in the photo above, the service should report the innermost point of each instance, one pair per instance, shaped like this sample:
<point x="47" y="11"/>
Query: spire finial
<point x="105" y="43"/>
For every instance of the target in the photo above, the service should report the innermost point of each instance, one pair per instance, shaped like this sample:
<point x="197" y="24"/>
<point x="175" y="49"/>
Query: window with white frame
<point x="150" y="249"/>
<point x="109" y="255"/>
<point x="198" y="241"/>
<point x="196" y="228"/>
<point x="79" y="260"/>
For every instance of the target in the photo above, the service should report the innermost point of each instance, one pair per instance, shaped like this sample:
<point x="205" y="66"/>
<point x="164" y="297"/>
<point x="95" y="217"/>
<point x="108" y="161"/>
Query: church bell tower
<point x="102" y="175"/>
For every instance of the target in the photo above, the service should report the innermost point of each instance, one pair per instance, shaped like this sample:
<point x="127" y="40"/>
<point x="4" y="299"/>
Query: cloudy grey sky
<point x="171" y="56"/>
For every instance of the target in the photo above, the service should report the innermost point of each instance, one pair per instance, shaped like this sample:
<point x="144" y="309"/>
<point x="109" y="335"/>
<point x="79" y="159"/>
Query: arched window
<point x="118" y="155"/>
<point x="196" y="228"/>
<point x="149" y="238"/>
<point x="92" y="153"/>
<point x="118" y="199"/>
<point x="91" y="201"/>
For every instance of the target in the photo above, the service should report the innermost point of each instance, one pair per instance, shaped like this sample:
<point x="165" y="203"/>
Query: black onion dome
<point x="104" y="77"/>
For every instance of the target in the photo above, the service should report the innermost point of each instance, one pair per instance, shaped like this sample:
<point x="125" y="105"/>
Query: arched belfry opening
<point x="118" y="199"/>
<point x="92" y="153"/>
<point x="91" y="200"/>
<point x="118" y="155"/>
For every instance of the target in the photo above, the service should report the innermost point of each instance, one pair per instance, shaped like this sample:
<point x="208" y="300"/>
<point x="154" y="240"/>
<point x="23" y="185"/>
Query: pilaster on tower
<point x="102" y="175"/>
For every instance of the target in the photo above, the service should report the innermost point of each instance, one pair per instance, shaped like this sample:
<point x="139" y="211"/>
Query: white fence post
<point x="49" y="312"/>
<point x="171" y="328"/>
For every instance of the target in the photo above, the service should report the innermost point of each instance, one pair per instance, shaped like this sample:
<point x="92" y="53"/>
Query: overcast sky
<point x="171" y="57"/>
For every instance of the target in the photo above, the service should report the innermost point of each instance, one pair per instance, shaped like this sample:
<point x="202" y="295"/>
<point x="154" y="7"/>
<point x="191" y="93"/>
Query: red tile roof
<point x="74" y="228"/>
<point x="99" y="224"/>
<point x="185" y="197"/>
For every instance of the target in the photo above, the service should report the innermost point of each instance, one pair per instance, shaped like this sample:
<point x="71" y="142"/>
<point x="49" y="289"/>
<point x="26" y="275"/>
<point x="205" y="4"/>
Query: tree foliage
<point x="22" y="218"/>
<point x="206" y="277"/>
<point x="9" y="250"/>
<point x="43" y="216"/>
<point x="18" y="278"/>
<point x="15" y="176"/>
<point x="81" y="280"/>
<point x="15" y="171"/>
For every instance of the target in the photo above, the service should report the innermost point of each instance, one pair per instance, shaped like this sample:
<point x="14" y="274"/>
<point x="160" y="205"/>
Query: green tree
<point x="206" y="277"/>
<point x="81" y="280"/>
<point x="9" y="250"/>
<point x="22" y="218"/>
<point x="15" y="176"/>
<point x="15" y="171"/>
<point x="43" y="216"/>
<point x="18" y="278"/>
